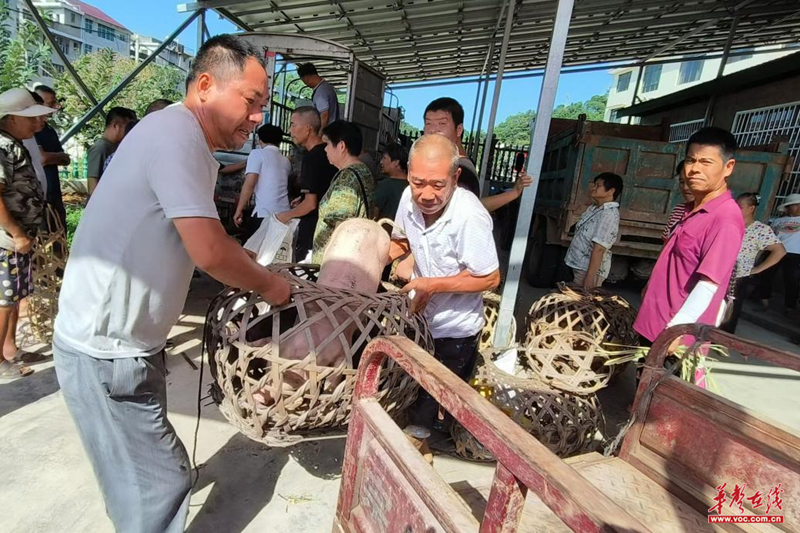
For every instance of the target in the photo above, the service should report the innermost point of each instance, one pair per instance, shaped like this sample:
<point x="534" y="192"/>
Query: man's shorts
<point x="16" y="281"/>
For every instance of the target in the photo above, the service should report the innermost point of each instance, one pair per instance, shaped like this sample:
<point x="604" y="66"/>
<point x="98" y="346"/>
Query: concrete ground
<point x="48" y="484"/>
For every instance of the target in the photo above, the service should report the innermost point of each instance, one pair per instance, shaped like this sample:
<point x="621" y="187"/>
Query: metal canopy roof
<point x="410" y="40"/>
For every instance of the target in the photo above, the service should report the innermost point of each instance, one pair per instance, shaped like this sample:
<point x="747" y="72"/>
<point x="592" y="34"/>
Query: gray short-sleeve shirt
<point x="324" y="99"/>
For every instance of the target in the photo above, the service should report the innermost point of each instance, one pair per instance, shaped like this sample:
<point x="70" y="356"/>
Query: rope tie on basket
<point x="614" y="444"/>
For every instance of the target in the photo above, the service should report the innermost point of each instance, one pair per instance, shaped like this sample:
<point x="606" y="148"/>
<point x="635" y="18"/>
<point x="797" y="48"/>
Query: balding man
<point x="316" y="174"/>
<point x="449" y="233"/>
<point x="128" y="275"/>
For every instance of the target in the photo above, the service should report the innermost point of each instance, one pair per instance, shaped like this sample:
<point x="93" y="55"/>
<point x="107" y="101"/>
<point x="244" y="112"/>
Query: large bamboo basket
<point x="245" y="360"/>
<point x="48" y="260"/>
<point x="566" y="423"/>
<point x="570" y="332"/>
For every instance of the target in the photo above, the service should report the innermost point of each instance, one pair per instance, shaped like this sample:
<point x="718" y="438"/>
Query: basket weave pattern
<point x="48" y="259"/>
<point x="241" y="333"/>
<point x="570" y="329"/>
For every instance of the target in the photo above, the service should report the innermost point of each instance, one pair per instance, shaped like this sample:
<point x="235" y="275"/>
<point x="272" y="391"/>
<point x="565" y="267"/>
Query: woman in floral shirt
<point x="758" y="238"/>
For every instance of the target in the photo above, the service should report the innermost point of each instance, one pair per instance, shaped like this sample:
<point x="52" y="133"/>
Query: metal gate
<point x="680" y="132"/>
<point x="756" y="127"/>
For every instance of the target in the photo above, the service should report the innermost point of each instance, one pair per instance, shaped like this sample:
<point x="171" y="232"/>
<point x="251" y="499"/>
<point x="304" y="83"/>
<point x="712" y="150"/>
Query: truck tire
<point x="542" y="261"/>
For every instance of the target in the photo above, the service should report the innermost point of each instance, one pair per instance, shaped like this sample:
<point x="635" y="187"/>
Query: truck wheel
<point x="542" y="261"/>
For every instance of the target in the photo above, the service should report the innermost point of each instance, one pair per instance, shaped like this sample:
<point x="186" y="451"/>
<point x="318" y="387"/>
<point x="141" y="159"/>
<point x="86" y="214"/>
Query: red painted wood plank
<point x="506" y="499"/>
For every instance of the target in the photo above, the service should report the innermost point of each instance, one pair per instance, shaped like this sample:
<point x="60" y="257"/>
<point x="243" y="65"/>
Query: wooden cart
<point x="685" y="442"/>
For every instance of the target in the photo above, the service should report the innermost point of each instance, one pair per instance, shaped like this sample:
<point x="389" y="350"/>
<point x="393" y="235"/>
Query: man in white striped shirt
<point x="449" y="233"/>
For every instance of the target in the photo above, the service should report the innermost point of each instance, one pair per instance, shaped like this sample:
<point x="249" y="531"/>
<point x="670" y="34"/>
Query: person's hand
<point x="423" y="290"/>
<point x="523" y="181"/>
<point x="22" y="244"/>
<point x="284" y="217"/>
<point x="590" y="284"/>
<point x="238" y="218"/>
<point x="251" y="254"/>
<point x="674" y="346"/>
<point x="294" y="203"/>
<point x="277" y="290"/>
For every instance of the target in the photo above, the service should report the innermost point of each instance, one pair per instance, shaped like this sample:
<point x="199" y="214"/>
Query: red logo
<point x="738" y="497"/>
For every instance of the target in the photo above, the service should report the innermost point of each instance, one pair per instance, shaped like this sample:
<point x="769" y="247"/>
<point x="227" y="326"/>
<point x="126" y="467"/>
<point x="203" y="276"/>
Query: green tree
<point x="516" y="128"/>
<point x="594" y="108"/>
<point x="23" y="56"/>
<point x="103" y="70"/>
<point x="408" y="129"/>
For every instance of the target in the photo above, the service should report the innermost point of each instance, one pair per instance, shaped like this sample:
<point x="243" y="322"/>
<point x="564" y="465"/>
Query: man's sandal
<point x="27" y="358"/>
<point x="14" y="370"/>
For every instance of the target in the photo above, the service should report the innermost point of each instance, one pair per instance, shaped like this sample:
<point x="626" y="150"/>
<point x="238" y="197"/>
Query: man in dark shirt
<point x="53" y="155"/>
<point x="116" y="121"/>
<point x="316" y="174"/>
<point x="394" y="164"/>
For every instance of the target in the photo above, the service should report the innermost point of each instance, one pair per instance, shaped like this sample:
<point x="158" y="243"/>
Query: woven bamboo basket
<point x="570" y="332"/>
<point x="491" y="311"/>
<point x="566" y="423"/>
<point x="245" y="359"/>
<point x="48" y="259"/>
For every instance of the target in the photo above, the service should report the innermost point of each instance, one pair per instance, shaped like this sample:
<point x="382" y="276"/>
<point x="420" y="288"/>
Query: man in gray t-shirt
<point x="324" y="96"/>
<point x="116" y="120"/>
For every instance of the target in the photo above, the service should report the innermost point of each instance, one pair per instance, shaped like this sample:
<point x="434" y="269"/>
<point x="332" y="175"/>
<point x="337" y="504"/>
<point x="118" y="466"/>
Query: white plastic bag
<point x="272" y="241"/>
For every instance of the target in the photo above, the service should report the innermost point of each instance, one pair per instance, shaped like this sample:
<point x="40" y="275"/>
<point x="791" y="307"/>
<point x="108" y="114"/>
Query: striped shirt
<point x="674" y="219"/>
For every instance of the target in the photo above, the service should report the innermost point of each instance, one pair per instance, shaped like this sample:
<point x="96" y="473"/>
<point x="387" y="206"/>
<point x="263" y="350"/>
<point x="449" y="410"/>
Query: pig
<point x="354" y="259"/>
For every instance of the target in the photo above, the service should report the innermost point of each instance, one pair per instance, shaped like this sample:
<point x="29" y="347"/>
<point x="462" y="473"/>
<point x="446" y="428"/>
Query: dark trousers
<point x="250" y="226"/>
<point x="458" y="355"/>
<point x="744" y="288"/>
<point x="790" y="266"/>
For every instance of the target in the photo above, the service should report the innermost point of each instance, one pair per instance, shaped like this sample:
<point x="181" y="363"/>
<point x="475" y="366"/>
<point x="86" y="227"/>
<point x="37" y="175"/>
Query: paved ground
<point x="47" y="484"/>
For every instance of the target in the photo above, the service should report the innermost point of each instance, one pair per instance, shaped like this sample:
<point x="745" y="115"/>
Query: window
<point x="104" y="32"/>
<point x="76" y="47"/>
<point x="72" y="18"/>
<point x="623" y="82"/>
<point x="87" y="48"/>
<point x="652" y="75"/>
<point x="745" y="54"/>
<point x="613" y="117"/>
<point x="122" y="37"/>
<point x="88" y="25"/>
<point x="58" y="68"/>
<point x="690" y="71"/>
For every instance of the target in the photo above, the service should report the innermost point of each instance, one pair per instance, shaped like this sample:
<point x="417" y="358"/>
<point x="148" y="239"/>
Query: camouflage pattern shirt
<point x="22" y="193"/>
<point x="351" y="187"/>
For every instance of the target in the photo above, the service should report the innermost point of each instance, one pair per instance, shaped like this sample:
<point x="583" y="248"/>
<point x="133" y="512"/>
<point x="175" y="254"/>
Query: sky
<point x="159" y="18"/>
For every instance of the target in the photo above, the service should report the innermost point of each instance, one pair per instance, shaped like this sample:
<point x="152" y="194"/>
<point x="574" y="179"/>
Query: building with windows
<point x="80" y="28"/>
<point x="174" y="55"/>
<point x="662" y="79"/>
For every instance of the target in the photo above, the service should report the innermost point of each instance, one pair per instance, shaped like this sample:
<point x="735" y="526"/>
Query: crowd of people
<point x="131" y="262"/>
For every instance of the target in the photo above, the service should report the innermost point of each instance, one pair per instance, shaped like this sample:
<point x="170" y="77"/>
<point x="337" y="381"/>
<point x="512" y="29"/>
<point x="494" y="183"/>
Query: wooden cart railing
<point x="387" y="486"/>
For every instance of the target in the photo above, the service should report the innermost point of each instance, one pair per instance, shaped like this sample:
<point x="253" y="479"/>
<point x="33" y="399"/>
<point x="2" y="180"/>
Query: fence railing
<point x="757" y="127"/>
<point x="680" y="132"/>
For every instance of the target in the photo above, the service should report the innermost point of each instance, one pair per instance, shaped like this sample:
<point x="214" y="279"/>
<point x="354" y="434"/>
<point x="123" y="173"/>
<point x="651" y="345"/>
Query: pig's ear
<point x="389" y="222"/>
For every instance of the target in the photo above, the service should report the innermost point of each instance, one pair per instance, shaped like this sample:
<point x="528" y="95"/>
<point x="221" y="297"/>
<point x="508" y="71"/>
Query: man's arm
<point x="217" y="254"/>
<point x="60" y="159"/>
<point x="776" y="253"/>
<point x="248" y="187"/>
<point x="397" y="249"/>
<point x="308" y="204"/>
<point x="598" y="252"/>
<point x="323" y="118"/>
<point x="232" y="168"/>
<point x="496" y="201"/>
<point x="22" y="242"/>
<point x="463" y="282"/>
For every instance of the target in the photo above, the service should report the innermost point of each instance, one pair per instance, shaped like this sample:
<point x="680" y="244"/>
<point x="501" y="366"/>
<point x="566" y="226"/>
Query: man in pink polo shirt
<point x="691" y="276"/>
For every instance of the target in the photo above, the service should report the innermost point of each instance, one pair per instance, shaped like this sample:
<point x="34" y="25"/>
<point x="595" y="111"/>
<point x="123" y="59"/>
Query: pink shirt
<point x="704" y="243"/>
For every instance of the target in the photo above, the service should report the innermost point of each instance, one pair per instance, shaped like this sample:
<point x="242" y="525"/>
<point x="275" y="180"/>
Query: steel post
<point x="59" y="52"/>
<point x="636" y="88"/>
<point x="712" y="100"/>
<point x="496" y="97"/>
<point x="476" y="146"/>
<point x="201" y="26"/>
<point x="538" y="143"/>
<point x="124" y="83"/>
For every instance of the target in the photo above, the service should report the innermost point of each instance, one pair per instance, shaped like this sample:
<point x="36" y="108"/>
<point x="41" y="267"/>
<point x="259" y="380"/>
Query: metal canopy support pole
<point x="60" y="53"/>
<point x="476" y="146"/>
<point x="636" y="88"/>
<point x="544" y="112"/>
<point x="496" y="98"/>
<point x="201" y="29"/>
<point x="124" y="83"/>
<point x="712" y="101"/>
